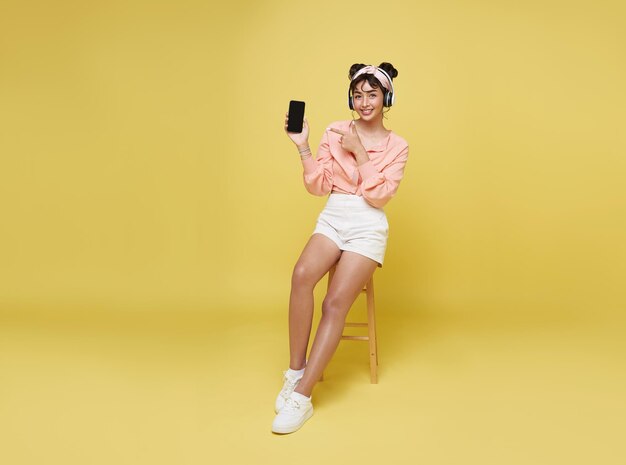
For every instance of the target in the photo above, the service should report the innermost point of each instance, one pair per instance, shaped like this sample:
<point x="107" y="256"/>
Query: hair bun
<point x="389" y="69"/>
<point x="354" y="68"/>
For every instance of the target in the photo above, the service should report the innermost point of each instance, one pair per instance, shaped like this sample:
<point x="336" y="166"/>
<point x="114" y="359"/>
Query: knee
<point x="332" y="308"/>
<point x="302" y="276"/>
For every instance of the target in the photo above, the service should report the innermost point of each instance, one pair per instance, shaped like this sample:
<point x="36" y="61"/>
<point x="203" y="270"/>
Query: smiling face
<point x="368" y="101"/>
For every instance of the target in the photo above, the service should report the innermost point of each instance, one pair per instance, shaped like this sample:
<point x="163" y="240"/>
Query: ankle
<point x="297" y="366"/>
<point x="302" y="392"/>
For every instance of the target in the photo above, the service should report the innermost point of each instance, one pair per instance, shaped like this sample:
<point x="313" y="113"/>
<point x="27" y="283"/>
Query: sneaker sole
<point x="287" y="430"/>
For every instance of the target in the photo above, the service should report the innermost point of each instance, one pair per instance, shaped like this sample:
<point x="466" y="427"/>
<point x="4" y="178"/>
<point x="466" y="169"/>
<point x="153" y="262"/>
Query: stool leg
<point x="371" y="326"/>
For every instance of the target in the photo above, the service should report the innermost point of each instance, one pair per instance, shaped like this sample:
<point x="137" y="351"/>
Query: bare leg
<point x="353" y="271"/>
<point x="318" y="256"/>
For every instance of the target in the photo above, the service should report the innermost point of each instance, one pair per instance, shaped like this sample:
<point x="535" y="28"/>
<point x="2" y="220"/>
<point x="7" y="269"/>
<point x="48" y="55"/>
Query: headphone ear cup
<point x="350" y="102"/>
<point x="388" y="98"/>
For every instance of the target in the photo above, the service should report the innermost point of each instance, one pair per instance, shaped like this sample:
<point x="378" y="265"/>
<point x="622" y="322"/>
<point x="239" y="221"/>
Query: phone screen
<point x="296" y="116"/>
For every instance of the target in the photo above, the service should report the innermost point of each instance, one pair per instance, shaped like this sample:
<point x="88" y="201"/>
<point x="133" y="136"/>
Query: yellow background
<point x="152" y="208"/>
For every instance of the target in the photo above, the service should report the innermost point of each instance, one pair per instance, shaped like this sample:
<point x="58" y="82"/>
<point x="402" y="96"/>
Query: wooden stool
<point x="368" y="290"/>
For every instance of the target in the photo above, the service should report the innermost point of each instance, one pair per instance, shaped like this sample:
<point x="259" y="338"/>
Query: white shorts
<point x="354" y="225"/>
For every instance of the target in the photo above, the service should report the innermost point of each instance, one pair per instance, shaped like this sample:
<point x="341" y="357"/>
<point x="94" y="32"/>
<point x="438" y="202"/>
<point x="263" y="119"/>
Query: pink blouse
<point x="336" y="170"/>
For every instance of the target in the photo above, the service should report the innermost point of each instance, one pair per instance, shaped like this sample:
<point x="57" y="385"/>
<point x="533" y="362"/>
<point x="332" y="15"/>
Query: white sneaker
<point x="288" y="386"/>
<point x="295" y="412"/>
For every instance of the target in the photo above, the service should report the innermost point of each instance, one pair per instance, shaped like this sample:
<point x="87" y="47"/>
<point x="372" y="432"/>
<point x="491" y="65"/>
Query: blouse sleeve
<point x="318" y="172"/>
<point x="380" y="185"/>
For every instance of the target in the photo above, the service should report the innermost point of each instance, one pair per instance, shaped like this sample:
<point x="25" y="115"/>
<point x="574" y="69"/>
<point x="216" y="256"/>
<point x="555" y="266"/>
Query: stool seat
<point x="370" y="324"/>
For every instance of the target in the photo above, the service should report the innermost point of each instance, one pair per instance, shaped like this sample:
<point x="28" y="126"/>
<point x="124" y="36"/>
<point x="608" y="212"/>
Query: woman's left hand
<point x="349" y="140"/>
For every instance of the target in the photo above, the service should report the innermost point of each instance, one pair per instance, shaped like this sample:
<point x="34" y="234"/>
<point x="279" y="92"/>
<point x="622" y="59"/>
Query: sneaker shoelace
<point x="292" y="404"/>
<point x="290" y="385"/>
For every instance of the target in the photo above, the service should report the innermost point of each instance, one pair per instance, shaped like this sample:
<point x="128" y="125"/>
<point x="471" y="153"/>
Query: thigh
<point x="319" y="255"/>
<point x="352" y="273"/>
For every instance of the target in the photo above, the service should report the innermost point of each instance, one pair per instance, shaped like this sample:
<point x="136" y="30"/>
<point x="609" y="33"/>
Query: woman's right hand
<point x="298" y="138"/>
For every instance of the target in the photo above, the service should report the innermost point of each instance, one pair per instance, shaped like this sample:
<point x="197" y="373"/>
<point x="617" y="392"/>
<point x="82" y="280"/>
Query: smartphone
<point x="296" y="116"/>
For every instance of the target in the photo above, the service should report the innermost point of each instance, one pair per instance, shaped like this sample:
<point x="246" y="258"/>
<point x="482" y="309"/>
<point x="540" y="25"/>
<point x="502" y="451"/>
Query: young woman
<point x="360" y="164"/>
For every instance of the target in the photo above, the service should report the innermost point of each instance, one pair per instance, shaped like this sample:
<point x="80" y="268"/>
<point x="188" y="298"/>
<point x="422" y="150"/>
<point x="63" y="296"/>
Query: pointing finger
<point x="338" y="131"/>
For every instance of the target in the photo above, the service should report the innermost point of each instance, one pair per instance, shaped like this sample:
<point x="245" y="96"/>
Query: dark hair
<point x="370" y="78"/>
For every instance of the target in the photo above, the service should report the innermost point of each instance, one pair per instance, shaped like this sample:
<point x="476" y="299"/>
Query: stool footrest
<point x="356" y="325"/>
<point x="355" y="338"/>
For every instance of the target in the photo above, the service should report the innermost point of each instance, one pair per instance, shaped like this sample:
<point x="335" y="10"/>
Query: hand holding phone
<point x="296" y="116"/>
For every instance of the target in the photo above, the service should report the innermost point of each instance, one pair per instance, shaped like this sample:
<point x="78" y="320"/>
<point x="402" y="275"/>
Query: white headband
<point x="378" y="73"/>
